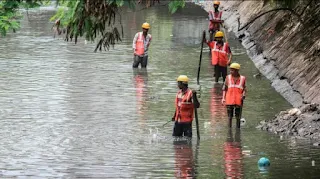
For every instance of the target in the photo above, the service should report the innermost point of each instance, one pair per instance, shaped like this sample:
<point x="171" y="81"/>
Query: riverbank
<point x="286" y="54"/>
<point x="301" y="123"/>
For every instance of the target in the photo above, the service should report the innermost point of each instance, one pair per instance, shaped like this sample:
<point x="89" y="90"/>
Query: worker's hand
<point x="173" y="119"/>
<point x="194" y="92"/>
<point x="243" y="98"/>
<point x="223" y="101"/>
<point x="229" y="61"/>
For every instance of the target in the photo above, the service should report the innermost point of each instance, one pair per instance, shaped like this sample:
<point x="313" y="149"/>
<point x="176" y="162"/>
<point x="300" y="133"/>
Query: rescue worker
<point x="185" y="102"/>
<point x="140" y="46"/>
<point x="234" y="92"/>
<point x="220" y="56"/>
<point x="215" y="19"/>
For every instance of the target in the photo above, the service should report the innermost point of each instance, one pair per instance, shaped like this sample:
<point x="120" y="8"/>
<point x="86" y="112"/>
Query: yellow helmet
<point x="146" y="25"/>
<point x="216" y="3"/>
<point x="183" y="78"/>
<point x="219" y="34"/>
<point x="235" y="66"/>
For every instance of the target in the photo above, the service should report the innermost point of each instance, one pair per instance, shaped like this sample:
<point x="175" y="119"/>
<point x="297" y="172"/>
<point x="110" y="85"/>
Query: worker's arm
<point x="195" y="99"/>
<point x="174" y="116"/>
<point x="210" y="44"/>
<point x="134" y="42"/>
<point x="150" y="38"/>
<point x="230" y="55"/>
<point x="244" y="91"/>
<point x="224" y="89"/>
<point x="175" y="112"/>
<point x="230" y="58"/>
<point x="206" y="41"/>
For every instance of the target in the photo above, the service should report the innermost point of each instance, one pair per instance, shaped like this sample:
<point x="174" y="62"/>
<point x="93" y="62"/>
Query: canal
<point x="67" y="112"/>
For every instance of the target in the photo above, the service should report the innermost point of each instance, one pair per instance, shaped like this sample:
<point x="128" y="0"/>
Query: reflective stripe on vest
<point x="140" y="44"/>
<point x="235" y="91"/>
<point x="184" y="107"/>
<point x="231" y="85"/>
<point x="215" y="17"/>
<point x="219" y="57"/>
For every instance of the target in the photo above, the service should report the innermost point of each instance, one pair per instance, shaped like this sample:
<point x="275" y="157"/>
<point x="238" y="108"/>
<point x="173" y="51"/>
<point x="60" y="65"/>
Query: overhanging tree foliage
<point x="9" y="15"/>
<point x="91" y="19"/>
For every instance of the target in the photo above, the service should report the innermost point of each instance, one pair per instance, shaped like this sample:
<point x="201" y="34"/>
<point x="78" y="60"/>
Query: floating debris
<point x="242" y="121"/>
<point x="264" y="162"/>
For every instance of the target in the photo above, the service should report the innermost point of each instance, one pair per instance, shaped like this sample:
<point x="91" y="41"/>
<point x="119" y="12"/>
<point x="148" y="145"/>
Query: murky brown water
<point x="67" y="112"/>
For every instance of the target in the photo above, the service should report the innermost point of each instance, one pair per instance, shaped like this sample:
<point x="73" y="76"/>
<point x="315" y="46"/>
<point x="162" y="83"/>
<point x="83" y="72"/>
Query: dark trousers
<point x="182" y="129"/>
<point x="220" y="71"/>
<point x="137" y="60"/>
<point x="211" y="33"/>
<point x="234" y="109"/>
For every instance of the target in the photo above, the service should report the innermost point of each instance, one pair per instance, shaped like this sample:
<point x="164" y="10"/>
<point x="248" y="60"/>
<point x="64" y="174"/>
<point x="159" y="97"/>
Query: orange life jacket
<point x="184" y="107"/>
<point x="140" y="44"/>
<point x="216" y="18"/>
<point x="235" y="90"/>
<point x="219" y="57"/>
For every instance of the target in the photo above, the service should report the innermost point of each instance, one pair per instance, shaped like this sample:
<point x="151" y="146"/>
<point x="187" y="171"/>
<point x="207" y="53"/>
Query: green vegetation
<point x="90" y="19"/>
<point x="9" y="15"/>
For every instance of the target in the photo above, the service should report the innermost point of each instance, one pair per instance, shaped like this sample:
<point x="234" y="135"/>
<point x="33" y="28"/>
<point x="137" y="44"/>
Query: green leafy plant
<point x="174" y="5"/>
<point x="90" y="19"/>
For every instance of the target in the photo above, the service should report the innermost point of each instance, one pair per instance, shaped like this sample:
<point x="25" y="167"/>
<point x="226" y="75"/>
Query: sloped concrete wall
<point x="284" y="50"/>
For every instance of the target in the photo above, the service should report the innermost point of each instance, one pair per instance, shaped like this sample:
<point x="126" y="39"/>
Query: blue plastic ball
<point x="264" y="162"/>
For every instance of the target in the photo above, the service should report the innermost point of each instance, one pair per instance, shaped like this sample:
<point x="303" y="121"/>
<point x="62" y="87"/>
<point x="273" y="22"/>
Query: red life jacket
<point x="140" y="44"/>
<point x="184" y="107"/>
<point x="219" y="57"/>
<point x="235" y="90"/>
<point x="216" y="18"/>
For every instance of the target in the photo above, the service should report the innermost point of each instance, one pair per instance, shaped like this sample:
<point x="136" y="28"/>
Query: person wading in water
<point x="234" y="92"/>
<point x="185" y="105"/>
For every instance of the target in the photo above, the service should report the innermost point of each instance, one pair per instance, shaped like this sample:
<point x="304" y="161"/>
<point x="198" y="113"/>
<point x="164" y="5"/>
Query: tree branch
<point x="278" y="9"/>
<point x="305" y="7"/>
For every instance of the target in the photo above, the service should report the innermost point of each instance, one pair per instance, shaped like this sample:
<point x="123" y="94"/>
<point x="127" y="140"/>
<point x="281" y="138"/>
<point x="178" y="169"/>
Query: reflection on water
<point x="140" y="84"/>
<point x="185" y="161"/>
<point x="233" y="162"/>
<point x="67" y="112"/>
<point x="218" y="111"/>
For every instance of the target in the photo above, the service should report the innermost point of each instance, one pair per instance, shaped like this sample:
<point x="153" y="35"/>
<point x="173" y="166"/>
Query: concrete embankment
<point x="285" y="47"/>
